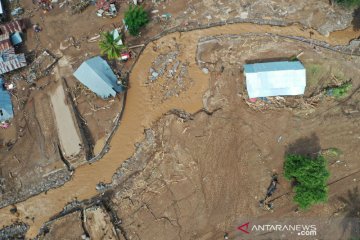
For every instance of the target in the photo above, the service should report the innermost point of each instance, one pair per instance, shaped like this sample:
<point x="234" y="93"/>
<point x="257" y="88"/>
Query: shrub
<point x="340" y="91"/>
<point x="310" y="176"/>
<point x="348" y="3"/>
<point x="135" y="18"/>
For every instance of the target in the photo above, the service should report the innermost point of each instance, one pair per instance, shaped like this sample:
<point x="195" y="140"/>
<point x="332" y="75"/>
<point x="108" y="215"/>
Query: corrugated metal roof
<point x="96" y="74"/>
<point x="275" y="78"/>
<point x="10" y="61"/>
<point x="6" y="109"/>
<point x="273" y="66"/>
<point x="11" y="27"/>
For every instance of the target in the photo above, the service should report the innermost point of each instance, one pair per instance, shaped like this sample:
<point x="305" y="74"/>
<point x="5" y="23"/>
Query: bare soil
<point x="203" y="170"/>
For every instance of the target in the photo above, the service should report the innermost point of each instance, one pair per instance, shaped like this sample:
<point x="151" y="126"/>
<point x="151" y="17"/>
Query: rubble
<point x="14" y="232"/>
<point x="41" y="66"/>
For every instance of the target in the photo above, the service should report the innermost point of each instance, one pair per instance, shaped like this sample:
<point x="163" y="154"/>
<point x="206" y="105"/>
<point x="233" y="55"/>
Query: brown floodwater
<point x="141" y="113"/>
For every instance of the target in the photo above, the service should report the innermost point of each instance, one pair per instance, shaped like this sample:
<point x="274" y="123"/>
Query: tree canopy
<point x="310" y="177"/>
<point x="135" y="18"/>
<point x="109" y="46"/>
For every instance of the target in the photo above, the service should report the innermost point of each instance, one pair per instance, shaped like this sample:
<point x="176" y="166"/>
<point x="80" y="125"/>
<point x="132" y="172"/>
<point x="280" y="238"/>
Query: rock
<point x="205" y="70"/>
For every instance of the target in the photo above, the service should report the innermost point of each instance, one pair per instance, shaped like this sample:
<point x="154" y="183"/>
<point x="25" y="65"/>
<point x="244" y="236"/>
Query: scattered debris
<point x="37" y="28"/>
<point x="106" y="8"/>
<point x="17" y="11"/>
<point x="205" y="70"/>
<point x="41" y="66"/>
<point x="79" y="6"/>
<point x="264" y="203"/>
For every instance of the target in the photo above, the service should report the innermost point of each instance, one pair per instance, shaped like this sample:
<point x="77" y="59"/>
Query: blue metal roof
<point x="96" y="74"/>
<point x="275" y="79"/>
<point x="16" y="38"/>
<point x="6" y="108"/>
<point x="273" y="66"/>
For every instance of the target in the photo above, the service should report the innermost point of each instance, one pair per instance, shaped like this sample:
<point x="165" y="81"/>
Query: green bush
<point x="310" y="176"/>
<point x="135" y="18"/>
<point x="348" y="3"/>
<point x="340" y="91"/>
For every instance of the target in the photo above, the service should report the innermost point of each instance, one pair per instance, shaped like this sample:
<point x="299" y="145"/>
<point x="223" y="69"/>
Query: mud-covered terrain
<point x="197" y="176"/>
<point x="204" y="156"/>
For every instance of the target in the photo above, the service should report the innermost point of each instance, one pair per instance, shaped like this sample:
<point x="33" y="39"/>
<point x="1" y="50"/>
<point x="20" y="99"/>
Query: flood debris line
<point x="353" y="48"/>
<point x="96" y="216"/>
<point x="53" y="179"/>
<point x="14" y="232"/>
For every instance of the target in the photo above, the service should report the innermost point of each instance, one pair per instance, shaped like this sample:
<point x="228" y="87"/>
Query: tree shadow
<point x="356" y="19"/>
<point x="352" y="208"/>
<point x="307" y="146"/>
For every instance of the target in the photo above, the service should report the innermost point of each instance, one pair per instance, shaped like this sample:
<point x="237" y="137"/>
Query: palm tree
<point x="109" y="46"/>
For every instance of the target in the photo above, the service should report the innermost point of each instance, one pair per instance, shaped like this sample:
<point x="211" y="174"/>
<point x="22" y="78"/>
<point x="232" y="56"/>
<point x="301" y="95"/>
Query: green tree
<point x="135" y="18"/>
<point x="348" y="3"/>
<point x="109" y="46"/>
<point x="310" y="176"/>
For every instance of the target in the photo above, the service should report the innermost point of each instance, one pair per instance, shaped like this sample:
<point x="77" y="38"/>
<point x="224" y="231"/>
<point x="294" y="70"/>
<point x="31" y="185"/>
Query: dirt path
<point x="69" y="138"/>
<point x="68" y="131"/>
<point x="140" y="113"/>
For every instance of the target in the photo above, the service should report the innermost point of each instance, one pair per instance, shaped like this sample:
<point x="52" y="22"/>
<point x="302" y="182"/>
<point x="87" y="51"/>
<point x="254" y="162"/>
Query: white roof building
<point x="275" y="79"/>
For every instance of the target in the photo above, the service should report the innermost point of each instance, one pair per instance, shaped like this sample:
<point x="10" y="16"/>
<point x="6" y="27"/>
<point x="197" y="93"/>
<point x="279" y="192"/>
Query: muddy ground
<point x="204" y="180"/>
<point x="197" y="176"/>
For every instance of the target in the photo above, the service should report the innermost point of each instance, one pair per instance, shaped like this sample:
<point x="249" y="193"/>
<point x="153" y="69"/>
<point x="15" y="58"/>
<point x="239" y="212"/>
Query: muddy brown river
<point x="140" y="113"/>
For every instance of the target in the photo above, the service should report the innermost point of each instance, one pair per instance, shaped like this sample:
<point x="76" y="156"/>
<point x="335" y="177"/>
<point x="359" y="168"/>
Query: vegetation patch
<point x="339" y="91"/>
<point x="135" y="18"/>
<point x="309" y="176"/>
<point x="109" y="45"/>
<point x="314" y="75"/>
<point x="348" y="3"/>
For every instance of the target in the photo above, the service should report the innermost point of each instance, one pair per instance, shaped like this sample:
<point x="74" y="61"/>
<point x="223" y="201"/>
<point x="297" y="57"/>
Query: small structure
<point x="16" y="38"/>
<point x="96" y="74"/>
<point x="10" y="61"/>
<point x="275" y="79"/>
<point x="6" y="109"/>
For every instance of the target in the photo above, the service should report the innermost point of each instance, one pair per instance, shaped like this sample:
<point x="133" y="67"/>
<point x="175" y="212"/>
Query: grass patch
<point x="314" y="74"/>
<point x="331" y="154"/>
<point x="339" y="91"/>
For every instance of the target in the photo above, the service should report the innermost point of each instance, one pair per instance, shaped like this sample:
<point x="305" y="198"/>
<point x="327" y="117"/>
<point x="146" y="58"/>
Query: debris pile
<point x="79" y="6"/>
<point x="106" y="8"/>
<point x="169" y="74"/>
<point x="40" y="67"/>
<point x="277" y="102"/>
<point x="15" y="231"/>
<point x="45" y="5"/>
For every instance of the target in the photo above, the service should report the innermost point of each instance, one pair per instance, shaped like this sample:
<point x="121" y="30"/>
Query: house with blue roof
<point x="6" y="107"/>
<point x="96" y="74"/>
<point x="285" y="78"/>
